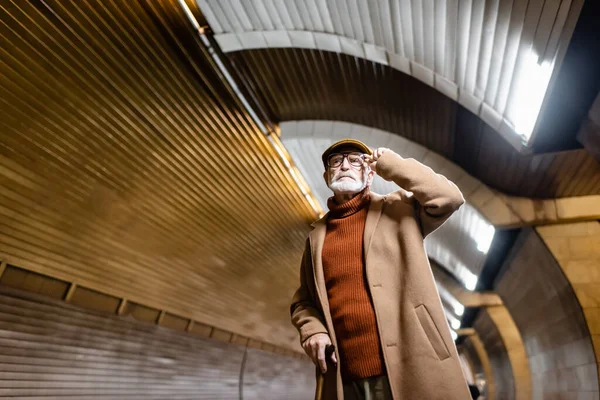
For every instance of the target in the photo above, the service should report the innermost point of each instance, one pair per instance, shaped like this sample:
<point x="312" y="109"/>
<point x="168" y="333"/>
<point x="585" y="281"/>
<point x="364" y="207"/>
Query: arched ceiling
<point x="494" y="57"/>
<point x="300" y="84"/>
<point x="129" y="168"/>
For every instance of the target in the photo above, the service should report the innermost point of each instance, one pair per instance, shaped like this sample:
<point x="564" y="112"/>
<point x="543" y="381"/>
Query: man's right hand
<point x="315" y="347"/>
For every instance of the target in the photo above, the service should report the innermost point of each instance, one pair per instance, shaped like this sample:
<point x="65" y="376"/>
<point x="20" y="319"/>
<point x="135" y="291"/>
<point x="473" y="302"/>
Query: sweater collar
<point x="357" y="203"/>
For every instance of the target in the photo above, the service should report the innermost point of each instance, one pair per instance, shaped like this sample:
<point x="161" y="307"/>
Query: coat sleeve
<point x="437" y="197"/>
<point x="305" y="314"/>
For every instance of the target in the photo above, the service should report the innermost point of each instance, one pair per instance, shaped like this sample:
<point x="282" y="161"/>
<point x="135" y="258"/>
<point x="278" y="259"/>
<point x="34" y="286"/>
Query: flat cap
<point x="345" y="143"/>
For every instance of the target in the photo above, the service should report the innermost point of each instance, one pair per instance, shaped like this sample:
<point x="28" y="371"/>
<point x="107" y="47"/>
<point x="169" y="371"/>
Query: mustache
<point x="340" y="176"/>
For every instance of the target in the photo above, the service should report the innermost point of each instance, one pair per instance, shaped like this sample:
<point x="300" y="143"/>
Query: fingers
<point x="334" y="358"/>
<point x="378" y="152"/>
<point x="321" y="357"/>
<point x="373" y="153"/>
<point x="370" y="161"/>
<point x="314" y="354"/>
<point x="316" y="348"/>
<point x="310" y="351"/>
<point x="372" y="157"/>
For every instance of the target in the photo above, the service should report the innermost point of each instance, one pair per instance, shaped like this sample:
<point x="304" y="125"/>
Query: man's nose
<point x="345" y="164"/>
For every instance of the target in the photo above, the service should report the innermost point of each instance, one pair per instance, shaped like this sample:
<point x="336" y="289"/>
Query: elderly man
<point x="366" y="288"/>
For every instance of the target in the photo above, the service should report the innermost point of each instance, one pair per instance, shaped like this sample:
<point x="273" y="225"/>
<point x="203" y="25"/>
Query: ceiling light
<point x="471" y="282"/>
<point x="485" y="235"/>
<point x="454" y="322"/>
<point x="459" y="309"/>
<point x="531" y="87"/>
<point x="272" y="137"/>
<point x="468" y="278"/>
<point x="454" y="335"/>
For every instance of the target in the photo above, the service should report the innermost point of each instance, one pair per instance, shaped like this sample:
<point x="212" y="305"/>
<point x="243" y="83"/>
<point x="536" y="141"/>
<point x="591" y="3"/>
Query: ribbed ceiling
<point x="454" y="245"/>
<point x="126" y="167"/>
<point x="301" y="84"/>
<point x="483" y="54"/>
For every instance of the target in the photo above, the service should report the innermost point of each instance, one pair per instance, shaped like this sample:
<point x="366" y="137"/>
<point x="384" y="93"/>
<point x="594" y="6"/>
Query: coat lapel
<point x="317" y="238"/>
<point x="372" y="220"/>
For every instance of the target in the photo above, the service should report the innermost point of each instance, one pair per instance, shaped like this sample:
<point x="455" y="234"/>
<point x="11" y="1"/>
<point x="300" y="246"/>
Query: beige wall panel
<point x="127" y="167"/>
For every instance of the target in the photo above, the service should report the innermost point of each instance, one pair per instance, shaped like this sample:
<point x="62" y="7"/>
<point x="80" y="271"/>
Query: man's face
<point x="347" y="178"/>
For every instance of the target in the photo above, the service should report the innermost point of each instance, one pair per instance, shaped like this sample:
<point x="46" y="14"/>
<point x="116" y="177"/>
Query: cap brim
<point x="346" y="143"/>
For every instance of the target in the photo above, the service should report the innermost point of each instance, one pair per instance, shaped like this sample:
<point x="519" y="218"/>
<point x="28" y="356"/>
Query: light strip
<point x="222" y="68"/>
<point x="454" y="322"/>
<point x="484" y="235"/>
<point x="468" y="278"/>
<point x="275" y="142"/>
<point x="296" y="175"/>
<point x="531" y="88"/>
<point x="459" y="309"/>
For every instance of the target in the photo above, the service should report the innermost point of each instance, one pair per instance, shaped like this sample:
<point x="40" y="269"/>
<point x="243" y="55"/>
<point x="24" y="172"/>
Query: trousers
<point x="375" y="388"/>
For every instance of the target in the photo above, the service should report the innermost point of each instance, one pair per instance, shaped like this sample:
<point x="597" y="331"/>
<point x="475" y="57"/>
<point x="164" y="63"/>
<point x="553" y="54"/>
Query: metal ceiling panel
<point x="300" y="84"/>
<point x="492" y="51"/>
<point x="127" y="167"/>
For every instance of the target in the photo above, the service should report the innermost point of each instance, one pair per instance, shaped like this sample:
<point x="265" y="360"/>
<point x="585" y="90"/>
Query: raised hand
<point x="371" y="160"/>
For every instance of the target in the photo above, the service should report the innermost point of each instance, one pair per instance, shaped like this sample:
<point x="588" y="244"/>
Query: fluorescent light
<point x="471" y="281"/>
<point x="485" y="235"/>
<point x="222" y="67"/>
<point x="454" y="335"/>
<point x="459" y="309"/>
<point x="189" y="14"/>
<point x="454" y="322"/>
<point x="296" y="176"/>
<point x="314" y="205"/>
<point x="468" y="278"/>
<point x="281" y="151"/>
<point x="532" y="83"/>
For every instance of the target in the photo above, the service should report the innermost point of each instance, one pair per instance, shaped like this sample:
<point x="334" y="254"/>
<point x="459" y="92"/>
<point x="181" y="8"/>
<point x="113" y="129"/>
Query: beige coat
<point x="419" y="353"/>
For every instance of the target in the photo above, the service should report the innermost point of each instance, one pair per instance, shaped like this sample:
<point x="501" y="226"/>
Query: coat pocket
<point x="432" y="332"/>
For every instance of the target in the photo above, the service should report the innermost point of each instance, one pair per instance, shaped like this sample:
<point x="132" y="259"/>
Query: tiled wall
<point x="576" y="248"/>
<point x="51" y="350"/>
<point x="549" y="317"/>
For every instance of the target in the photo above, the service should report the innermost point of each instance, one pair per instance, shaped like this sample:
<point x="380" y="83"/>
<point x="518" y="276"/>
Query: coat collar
<point x="372" y="219"/>
<point x="375" y="207"/>
<point x="317" y="238"/>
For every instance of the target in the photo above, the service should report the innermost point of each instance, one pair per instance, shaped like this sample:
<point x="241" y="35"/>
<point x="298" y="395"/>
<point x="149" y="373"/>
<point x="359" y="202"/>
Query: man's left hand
<point x="371" y="160"/>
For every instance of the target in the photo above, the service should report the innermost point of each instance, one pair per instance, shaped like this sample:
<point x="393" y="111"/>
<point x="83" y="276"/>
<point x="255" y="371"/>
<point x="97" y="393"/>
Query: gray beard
<point x="348" y="186"/>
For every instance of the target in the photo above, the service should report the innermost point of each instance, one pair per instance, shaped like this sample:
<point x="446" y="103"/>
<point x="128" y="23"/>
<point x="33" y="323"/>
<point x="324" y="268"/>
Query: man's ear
<point x="370" y="176"/>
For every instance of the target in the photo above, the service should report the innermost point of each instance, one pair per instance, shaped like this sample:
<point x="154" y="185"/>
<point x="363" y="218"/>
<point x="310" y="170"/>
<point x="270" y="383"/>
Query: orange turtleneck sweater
<point x="350" y="304"/>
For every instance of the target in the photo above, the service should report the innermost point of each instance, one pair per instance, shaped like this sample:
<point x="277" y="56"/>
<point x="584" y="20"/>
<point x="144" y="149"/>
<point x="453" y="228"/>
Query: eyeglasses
<point x="336" y="159"/>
